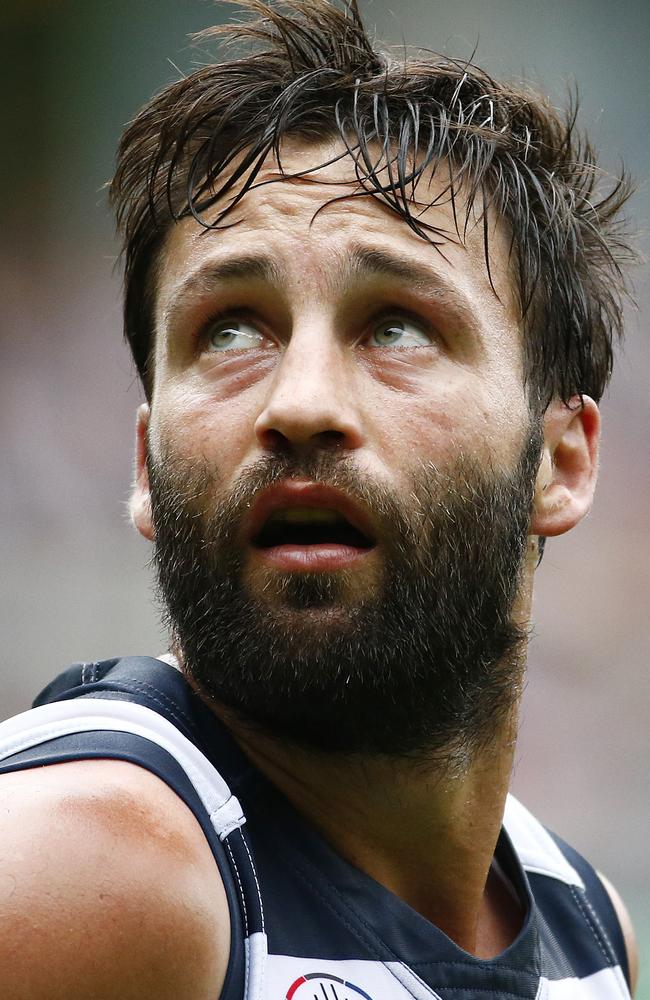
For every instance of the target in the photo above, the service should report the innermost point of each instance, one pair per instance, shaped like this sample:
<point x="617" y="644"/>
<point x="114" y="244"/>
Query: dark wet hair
<point x="308" y="69"/>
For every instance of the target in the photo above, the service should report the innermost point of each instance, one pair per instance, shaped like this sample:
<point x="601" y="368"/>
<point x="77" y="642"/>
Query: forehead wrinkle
<point x="348" y="265"/>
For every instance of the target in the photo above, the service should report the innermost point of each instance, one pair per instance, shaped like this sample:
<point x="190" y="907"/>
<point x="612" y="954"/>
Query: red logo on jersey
<point x="323" y="986"/>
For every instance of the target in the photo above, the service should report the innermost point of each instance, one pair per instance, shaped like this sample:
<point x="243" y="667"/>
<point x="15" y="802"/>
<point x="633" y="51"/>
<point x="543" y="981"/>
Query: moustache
<point x="199" y="489"/>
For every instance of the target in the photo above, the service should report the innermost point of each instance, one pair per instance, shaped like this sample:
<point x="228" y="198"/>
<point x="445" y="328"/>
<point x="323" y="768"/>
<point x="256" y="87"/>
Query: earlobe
<point x="567" y="474"/>
<point x="140" y="502"/>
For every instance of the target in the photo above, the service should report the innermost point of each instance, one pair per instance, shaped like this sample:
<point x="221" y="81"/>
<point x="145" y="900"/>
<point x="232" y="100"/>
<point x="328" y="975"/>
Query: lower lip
<point x="312" y="558"/>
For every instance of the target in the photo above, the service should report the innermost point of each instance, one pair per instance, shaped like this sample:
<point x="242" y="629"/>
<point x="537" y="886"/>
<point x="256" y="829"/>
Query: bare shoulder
<point x="106" y="877"/>
<point x="627" y="928"/>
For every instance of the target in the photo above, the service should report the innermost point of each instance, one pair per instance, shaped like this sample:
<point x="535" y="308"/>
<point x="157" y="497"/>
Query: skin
<point x="316" y="378"/>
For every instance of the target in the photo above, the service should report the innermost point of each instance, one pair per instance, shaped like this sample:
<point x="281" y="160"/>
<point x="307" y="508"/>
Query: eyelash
<point x="246" y="315"/>
<point x="222" y="316"/>
<point x="385" y="316"/>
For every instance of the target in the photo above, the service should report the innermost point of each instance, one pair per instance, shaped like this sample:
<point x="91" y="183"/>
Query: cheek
<point x="454" y="416"/>
<point x="403" y="372"/>
<point x="224" y="377"/>
<point x="201" y="422"/>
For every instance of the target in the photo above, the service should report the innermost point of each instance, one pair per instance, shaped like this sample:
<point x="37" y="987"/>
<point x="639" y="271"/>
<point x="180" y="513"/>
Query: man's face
<point x="342" y="461"/>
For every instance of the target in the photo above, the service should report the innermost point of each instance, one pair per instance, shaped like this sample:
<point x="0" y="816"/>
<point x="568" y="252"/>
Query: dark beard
<point x="426" y="668"/>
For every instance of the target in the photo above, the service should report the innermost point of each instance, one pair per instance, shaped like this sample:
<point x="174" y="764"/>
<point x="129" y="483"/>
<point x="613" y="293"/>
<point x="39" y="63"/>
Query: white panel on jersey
<point x="537" y="850"/>
<point x="64" y="718"/>
<point x="291" y="978"/>
<point x="608" y="984"/>
<point x="255" y="946"/>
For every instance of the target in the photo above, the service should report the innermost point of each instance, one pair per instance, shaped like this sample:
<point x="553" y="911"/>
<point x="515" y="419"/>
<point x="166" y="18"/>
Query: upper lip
<point x="303" y="493"/>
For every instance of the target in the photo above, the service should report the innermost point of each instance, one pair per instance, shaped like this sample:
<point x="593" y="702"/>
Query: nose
<point x="311" y="402"/>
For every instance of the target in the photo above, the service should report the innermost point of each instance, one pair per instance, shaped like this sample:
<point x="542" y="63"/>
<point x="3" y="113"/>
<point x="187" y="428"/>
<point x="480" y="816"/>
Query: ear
<point x="140" y="502"/>
<point x="566" y="479"/>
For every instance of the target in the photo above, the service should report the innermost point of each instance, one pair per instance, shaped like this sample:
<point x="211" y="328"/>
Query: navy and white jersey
<point x="306" y="924"/>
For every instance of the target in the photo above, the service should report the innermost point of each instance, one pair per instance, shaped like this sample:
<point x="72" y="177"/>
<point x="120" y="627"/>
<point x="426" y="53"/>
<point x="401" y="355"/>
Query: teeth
<point x="306" y="515"/>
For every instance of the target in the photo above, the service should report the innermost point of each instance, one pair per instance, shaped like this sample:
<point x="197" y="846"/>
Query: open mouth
<point x="309" y="526"/>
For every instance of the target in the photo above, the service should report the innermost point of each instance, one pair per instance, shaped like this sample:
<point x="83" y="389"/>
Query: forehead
<point x="307" y="225"/>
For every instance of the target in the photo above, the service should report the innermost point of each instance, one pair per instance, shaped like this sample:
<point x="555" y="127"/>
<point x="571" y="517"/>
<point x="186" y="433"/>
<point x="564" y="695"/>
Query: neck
<point x="424" y="831"/>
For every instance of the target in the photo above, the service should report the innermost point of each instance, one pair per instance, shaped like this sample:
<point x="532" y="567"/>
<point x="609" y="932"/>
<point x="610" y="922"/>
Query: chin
<point x="336" y="596"/>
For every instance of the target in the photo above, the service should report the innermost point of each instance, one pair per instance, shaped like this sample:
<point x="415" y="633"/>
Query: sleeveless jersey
<point x="306" y="924"/>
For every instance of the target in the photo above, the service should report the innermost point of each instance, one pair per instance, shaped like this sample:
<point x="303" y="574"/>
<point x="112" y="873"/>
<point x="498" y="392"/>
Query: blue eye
<point x="232" y="335"/>
<point x="399" y="333"/>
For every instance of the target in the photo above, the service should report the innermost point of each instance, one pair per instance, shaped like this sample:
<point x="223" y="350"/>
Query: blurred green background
<point x="75" y="581"/>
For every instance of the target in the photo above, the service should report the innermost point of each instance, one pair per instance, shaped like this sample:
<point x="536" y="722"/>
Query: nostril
<point x="332" y="439"/>
<point x="275" y="440"/>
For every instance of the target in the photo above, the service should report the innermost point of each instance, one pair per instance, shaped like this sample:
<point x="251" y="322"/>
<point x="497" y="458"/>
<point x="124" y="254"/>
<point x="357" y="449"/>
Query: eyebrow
<point x="381" y="263"/>
<point x="246" y="267"/>
<point x="375" y="261"/>
<point x="361" y="262"/>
